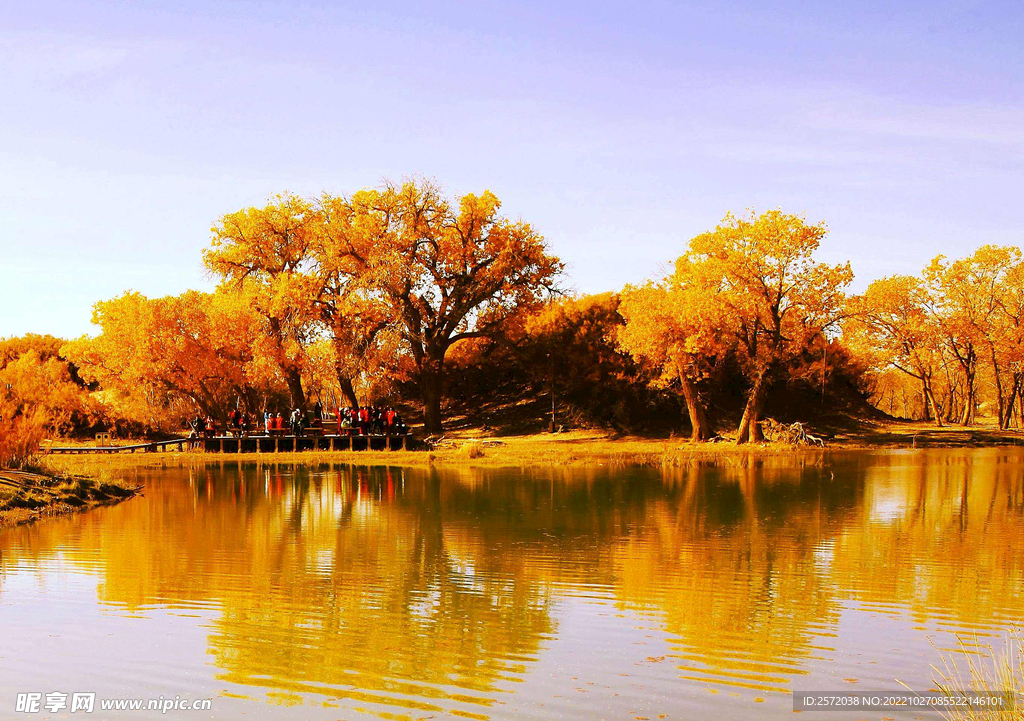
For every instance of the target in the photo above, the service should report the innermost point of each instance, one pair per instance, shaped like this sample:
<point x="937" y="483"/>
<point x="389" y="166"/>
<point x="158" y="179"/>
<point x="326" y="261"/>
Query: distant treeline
<point x="402" y="295"/>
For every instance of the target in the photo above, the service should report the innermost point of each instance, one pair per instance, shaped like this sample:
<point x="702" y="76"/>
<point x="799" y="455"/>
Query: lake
<point x="338" y="591"/>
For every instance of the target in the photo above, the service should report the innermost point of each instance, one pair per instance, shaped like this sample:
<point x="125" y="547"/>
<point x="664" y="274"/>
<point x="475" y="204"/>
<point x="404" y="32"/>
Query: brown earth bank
<point x="26" y="496"/>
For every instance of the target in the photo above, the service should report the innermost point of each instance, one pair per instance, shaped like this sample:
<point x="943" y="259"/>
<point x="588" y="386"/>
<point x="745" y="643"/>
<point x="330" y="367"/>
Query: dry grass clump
<point x="986" y="673"/>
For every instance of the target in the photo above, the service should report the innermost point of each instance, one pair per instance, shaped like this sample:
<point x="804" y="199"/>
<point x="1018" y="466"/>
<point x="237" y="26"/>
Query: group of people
<point x="363" y="420"/>
<point x="370" y="420"/>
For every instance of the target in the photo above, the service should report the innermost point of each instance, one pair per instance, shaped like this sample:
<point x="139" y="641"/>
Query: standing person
<point x="318" y="411"/>
<point x="279" y="422"/>
<point x="294" y="421"/>
<point x="389" y="417"/>
<point x="268" y="421"/>
<point x="209" y="426"/>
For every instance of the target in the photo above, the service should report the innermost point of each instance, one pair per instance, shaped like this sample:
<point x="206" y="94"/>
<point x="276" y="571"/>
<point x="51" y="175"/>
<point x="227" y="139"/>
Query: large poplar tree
<point x="447" y="271"/>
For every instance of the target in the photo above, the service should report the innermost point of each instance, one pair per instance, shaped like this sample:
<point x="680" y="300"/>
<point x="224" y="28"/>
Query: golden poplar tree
<point x="892" y="325"/>
<point x="445" y="271"/>
<point x="677" y="326"/>
<point x="265" y="253"/>
<point x="775" y="297"/>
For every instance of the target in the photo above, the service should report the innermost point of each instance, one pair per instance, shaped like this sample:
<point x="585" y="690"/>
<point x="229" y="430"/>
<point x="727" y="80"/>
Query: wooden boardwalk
<point x="149" y="447"/>
<point x="254" y="444"/>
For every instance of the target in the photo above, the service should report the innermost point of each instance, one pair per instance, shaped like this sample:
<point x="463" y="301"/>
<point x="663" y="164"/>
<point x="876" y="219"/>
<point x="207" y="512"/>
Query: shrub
<point x="20" y="436"/>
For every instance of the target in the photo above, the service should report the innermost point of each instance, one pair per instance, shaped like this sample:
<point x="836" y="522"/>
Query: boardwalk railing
<point x="148" y="447"/>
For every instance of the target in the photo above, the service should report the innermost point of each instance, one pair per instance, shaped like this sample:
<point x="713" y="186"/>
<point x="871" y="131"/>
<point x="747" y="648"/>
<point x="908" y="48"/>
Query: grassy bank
<point x="26" y="496"/>
<point x="576" y="447"/>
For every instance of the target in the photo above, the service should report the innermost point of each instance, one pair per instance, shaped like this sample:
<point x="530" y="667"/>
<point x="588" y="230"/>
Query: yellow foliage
<point x="942" y="329"/>
<point x="165" y="358"/>
<point x="751" y="285"/>
<point x="444" y="271"/>
<point x="37" y="397"/>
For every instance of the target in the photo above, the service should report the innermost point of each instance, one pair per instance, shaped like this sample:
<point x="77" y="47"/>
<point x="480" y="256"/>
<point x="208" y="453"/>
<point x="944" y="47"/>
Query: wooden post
<point x="405" y="445"/>
<point x="350" y="439"/>
<point x="221" y="445"/>
<point x="387" y="442"/>
<point x="332" y="443"/>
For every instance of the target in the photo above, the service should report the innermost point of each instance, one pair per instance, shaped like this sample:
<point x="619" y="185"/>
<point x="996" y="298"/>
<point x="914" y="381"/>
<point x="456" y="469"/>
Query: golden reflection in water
<point x="336" y="581"/>
<point x="752" y="596"/>
<point x="439" y="591"/>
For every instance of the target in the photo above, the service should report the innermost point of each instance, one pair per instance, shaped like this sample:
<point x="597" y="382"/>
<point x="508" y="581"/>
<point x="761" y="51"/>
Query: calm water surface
<point x="345" y="592"/>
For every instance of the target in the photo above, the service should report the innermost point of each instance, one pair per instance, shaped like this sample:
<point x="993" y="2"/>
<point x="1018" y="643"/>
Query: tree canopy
<point x="752" y="283"/>
<point x="445" y="271"/>
<point x="389" y="291"/>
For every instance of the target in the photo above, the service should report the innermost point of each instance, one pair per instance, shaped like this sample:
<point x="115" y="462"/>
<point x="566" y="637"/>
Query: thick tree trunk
<point x="292" y="377"/>
<point x="295" y="392"/>
<point x="927" y="401"/>
<point x="951" y="412"/>
<point x="929" y="397"/>
<point x="695" y="409"/>
<point x="970" y="401"/>
<point x="970" y="369"/>
<point x="1010" y="403"/>
<point x="247" y="396"/>
<point x="749" y="430"/>
<point x="348" y="390"/>
<point x="999" y="385"/>
<point x="431" y="384"/>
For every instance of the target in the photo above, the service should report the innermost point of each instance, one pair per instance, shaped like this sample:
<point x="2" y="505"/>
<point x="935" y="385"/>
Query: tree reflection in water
<point x="441" y="590"/>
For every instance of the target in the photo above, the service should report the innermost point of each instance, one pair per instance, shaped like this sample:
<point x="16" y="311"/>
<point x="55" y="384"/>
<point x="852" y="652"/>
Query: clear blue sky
<point x="619" y="130"/>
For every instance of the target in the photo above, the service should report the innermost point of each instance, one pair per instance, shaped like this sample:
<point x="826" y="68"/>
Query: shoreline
<point x="471" y="448"/>
<point x="27" y="496"/>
